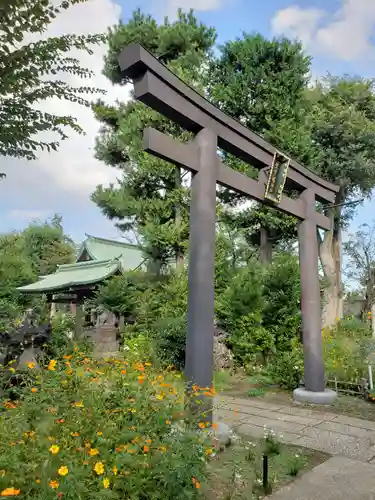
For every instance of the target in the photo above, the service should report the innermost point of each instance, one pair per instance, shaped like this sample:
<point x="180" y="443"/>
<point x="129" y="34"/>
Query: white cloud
<point x="67" y="178"/>
<point x="346" y="33"/>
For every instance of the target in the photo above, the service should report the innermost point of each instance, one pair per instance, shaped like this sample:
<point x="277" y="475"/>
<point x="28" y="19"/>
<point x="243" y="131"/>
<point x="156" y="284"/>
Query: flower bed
<point x="106" y="428"/>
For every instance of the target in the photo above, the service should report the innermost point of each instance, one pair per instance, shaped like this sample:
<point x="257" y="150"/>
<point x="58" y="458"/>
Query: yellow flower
<point x="93" y="452"/>
<point x="54" y="449"/>
<point x="99" y="468"/>
<point x="78" y="404"/>
<point x="34" y="389"/>
<point x="10" y="492"/>
<point x="37" y="481"/>
<point x="209" y="451"/>
<point x="99" y="433"/>
<point x="54" y="484"/>
<point x="31" y="365"/>
<point x="115" y="470"/>
<point x="106" y="482"/>
<point x="52" y="365"/>
<point x="74" y="434"/>
<point x="168" y="422"/>
<point x="63" y="471"/>
<point x="160" y="397"/>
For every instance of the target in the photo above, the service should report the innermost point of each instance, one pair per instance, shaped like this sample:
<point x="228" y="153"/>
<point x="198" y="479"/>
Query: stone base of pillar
<point x="327" y="397"/>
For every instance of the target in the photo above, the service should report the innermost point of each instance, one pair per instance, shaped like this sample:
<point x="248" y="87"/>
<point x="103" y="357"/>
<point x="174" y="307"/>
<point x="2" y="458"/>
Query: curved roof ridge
<point x="87" y="263"/>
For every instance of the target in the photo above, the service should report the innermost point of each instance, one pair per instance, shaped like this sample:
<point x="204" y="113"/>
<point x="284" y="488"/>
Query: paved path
<point x="348" y="475"/>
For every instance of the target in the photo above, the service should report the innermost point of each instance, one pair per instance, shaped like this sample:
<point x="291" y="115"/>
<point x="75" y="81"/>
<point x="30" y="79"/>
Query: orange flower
<point x="74" y="434"/>
<point x="31" y="365"/>
<point x="10" y="492"/>
<point x="141" y="379"/>
<point x="54" y="484"/>
<point x="34" y="389"/>
<point x="123" y="372"/>
<point x="60" y="421"/>
<point x="93" y="452"/>
<point x="52" y="365"/>
<point x="106" y="483"/>
<point x="196" y="483"/>
<point x="68" y="357"/>
<point x="146" y="449"/>
<point x="9" y="405"/>
<point x="214" y="426"/>
<point x="202" y="425"/>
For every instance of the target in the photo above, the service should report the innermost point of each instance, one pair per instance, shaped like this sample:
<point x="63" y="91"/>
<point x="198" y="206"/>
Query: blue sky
<point x="339" y="34"/>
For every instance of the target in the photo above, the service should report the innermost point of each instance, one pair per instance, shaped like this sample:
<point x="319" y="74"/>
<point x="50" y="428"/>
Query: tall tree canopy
<point x="260" y="83"/>
<point x="150" y="197"/>
<point x="28" y="75"/>
<point x="26" y="255"/>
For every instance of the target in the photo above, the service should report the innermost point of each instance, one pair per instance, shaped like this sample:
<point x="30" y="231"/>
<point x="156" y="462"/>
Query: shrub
<point x="63" y="326"/>
<point x="281" y="314"/>
<point x="103" y="429"/>
<point x="286" y="368"/>
<point x="170" y="341"/>
<point x="250" y="340"/>
<point x="345" y="351"/>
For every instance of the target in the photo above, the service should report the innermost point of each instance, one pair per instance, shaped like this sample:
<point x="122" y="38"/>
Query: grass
<point x="236" y="474"/>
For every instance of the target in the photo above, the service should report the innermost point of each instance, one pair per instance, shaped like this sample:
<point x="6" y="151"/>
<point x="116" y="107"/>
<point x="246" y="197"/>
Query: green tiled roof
<point x="106" y="258"/>
<point x="130" y="256"/>
<point x="75" y="275"/>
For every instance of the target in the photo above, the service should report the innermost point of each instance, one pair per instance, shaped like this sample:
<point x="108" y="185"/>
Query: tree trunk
<point x="330" y="258"/>
<point x="265" y="247"/>
<point x="178" y="219"/>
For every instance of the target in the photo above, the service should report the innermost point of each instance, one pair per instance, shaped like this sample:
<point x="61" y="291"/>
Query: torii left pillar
<point x="200" y="316"/>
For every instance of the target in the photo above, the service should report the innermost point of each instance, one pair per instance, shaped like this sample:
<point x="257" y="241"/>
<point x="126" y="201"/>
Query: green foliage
<point x="281" y="291"/>
<point x="260" y="309"/>
<point x="259" y="81"/>
<point x="170" y="341"/>
<point x="296" y="463"/>
<point x="62" y="327"/>
<point x="107" y="429"/>
<point x="286" y="368"/>
<point x="28" y="76"/>
<point x="346" y="348"/>
<point x="24" y="256"/>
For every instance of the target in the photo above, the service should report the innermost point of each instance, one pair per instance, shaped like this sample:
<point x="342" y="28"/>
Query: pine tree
<point x="151" y="198"/>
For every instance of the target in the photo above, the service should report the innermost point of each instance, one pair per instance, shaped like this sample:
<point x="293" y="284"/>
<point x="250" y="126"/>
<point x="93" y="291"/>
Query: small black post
<point x="266" y="486"/>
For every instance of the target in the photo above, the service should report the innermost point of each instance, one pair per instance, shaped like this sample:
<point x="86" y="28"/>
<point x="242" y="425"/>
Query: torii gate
<point x="163" y="91"/>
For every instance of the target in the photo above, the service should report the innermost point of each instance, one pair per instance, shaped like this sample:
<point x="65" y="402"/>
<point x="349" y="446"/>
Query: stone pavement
<point x="349" y="474"/>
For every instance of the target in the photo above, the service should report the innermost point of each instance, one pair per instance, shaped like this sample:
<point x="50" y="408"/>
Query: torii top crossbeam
<point x="163" y="91"/>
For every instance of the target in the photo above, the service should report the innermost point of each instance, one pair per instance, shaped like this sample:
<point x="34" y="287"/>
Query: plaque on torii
<point x="164" y="92"/>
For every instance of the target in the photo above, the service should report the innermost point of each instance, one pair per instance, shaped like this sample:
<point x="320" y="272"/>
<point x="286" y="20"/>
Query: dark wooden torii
<point x="163" y="91"/>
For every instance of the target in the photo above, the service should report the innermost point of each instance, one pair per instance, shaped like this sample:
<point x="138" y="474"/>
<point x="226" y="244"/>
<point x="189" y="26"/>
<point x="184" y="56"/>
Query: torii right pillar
<point x="314" y="389"/>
